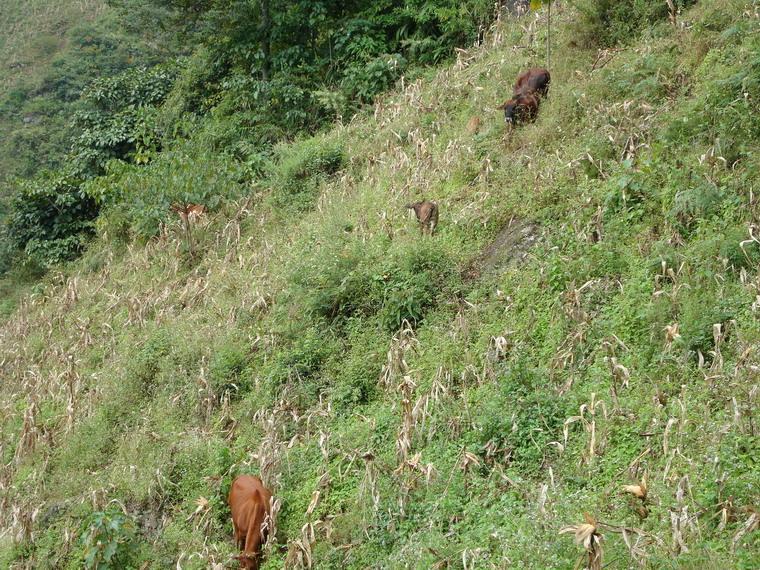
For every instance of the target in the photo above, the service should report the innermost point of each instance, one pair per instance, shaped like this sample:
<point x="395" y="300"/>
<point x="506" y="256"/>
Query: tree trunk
<point x="189" y="233"/>
<point x="549" y="36"/>
<point x="266" y="39"/>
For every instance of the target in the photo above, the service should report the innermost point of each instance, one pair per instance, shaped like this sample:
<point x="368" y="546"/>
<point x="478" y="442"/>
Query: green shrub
<point x="354" y="374"/>
<point x="695" y="203"/>
<point x="300" y="169"/>
<point x="136" y="200"/>
<point x="348" y="279"/>
<point x="146" y="365"/>
<point x="700" y="312"/>
<point x="109" y="540"/>
<point x="192" y="464"/>
<point x="628" y="190"/>
<point x="334" y="282"/>
<point x="226" y="371"/>
<point x="365" y="80"/>
<point x="299" y="366"/>
<point x="520" y="418"/>
<point x="52" y="218"/>
<point x="736" y="254"/>
<point x="611" y="22"/>
<point x="720" y="113"/>
<point x="118" y="120"/>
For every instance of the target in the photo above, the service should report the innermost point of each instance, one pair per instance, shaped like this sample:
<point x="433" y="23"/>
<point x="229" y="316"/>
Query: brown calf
<point x="189" y="212"/>
<point x="249" y="502"/>
<point x="427" y="215"/>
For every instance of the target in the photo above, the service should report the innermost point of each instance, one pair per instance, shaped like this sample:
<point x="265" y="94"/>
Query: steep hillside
<point x="49" y="52"/>
<point x="576" y="345"/>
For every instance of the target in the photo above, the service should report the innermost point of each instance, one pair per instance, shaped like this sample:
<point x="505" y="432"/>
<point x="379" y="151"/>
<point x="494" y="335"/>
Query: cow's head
<point x="510" y="110"/>
<point x="248" y="561"/>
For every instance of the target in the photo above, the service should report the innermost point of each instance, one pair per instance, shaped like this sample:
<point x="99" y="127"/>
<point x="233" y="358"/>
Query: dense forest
<point x="563" y="374"/>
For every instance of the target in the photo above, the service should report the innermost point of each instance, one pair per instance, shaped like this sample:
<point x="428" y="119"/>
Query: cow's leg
<point x="239" y="537"/>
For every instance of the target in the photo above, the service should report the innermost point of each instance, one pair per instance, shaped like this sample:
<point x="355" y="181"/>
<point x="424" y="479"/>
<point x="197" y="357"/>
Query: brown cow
<point x="535" y="80"/>
<point x="249" y="502"/>
<point x="427" y="215"/>
<point x="520" y="109"/>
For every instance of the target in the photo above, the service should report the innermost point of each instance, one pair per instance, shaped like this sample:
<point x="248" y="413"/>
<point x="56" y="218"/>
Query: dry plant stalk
<point x="300" y="550"/>
<point x="270" y="525"/>
<point x="408" y="422"/>
<point x="467" y="463"/>
<point x="639" y="491"/>
<point x="672" y="13"/>
<point x="588" y="424"/>
<point x="750" y="525"/>
<point x="620" y="377"/>
<point x="587" y="534"/>
<point x="681" y="523"/>
<point x="396" y="366"/>
<point x="30" y="432"/>
<point x="369" y="486"/>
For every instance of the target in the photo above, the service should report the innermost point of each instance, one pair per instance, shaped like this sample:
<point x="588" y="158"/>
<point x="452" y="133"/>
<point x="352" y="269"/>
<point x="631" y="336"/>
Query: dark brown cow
<point x="427" y="215"/>
<point x="529" y="88"/>
<point x="520" y="109"/>
<point x="535" y="80"/>
<point x="249" y="502"/>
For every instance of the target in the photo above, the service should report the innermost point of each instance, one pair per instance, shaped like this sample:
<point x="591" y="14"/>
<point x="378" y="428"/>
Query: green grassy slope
<point x="583" y="319"/>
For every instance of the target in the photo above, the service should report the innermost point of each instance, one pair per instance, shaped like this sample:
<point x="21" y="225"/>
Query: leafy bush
<point x="721" y="112"/>
<point x="299" y="170"/>
<point x="109" y="540"/>
<point x="354" y="373"/>
<point x="519" y="419"/>
<point x="301" y="363"/>
<point x="353" y="279"/>
<point x="612" y="22"/>
<point x="272" y="109"/>
<point x="628" y="190"/>
<point x="226" y="371"/>
<point x="363" y="81"/>
<point x="136" y="200"/>
<point x="144" y="368"/>
<point x="51" y="218"/>
<point x="700" y="312"/>
<point x="738" y="255"/>
<point x="116" y="121"/>
<point x="695" y="203"/>
<point x="410" y="284"/>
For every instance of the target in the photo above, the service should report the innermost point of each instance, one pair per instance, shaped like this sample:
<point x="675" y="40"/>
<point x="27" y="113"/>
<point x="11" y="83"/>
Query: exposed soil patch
<point x="512" y="244"/>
